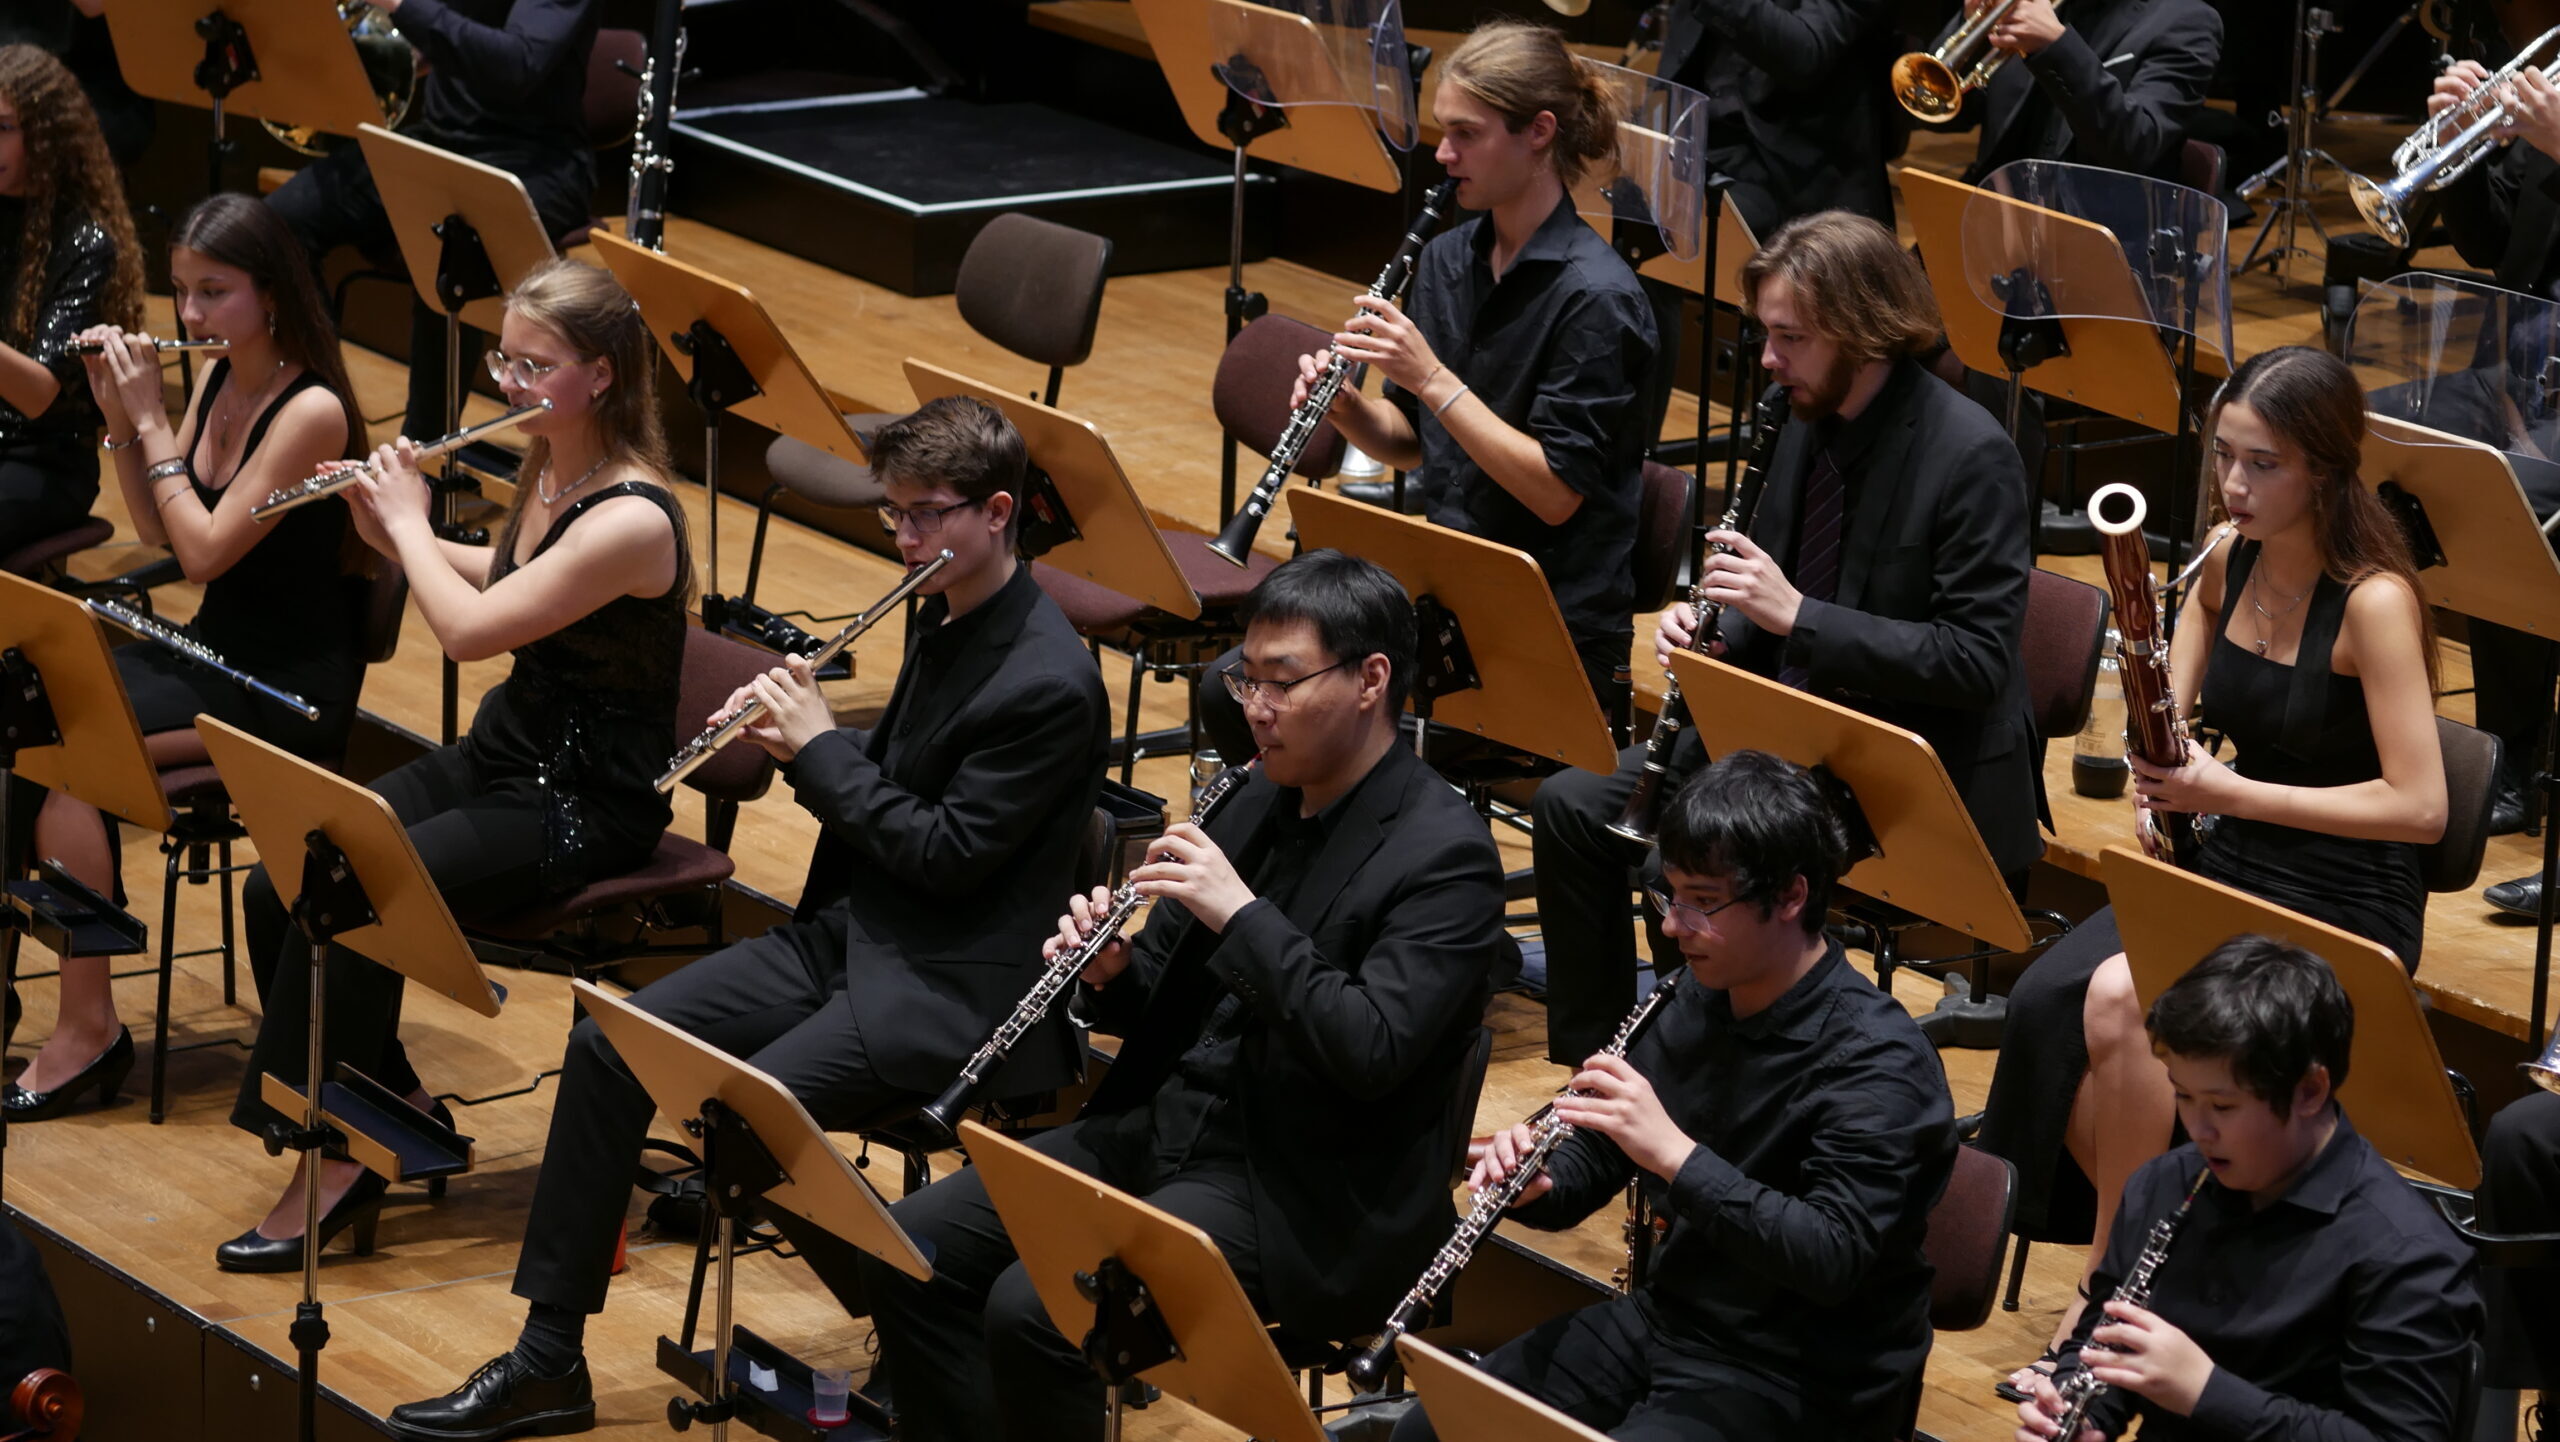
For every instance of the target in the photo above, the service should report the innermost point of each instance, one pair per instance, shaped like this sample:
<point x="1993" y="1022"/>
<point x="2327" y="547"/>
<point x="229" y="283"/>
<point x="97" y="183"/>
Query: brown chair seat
<point x="1218" y="582"/>
<point x="821" y="476"/>
<point x="676" y="865"/>
<point x="191" y="785"/>
<point x="32" y="559"/>
<point x="1092" y="608"/>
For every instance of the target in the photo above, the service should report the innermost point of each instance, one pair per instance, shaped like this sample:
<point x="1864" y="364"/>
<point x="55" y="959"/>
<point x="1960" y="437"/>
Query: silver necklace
<point x="2270" y="621"/>
<point x="226" y="425"/>
<point x="551" y="499"/>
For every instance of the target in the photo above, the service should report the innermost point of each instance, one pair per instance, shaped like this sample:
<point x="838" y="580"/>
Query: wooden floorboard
<point x="414" y="1318"/>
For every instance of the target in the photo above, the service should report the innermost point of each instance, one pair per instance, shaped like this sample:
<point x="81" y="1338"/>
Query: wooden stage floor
<point x="432" y="1303"/>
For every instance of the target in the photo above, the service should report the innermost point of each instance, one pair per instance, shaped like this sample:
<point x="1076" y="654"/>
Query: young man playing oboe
<point x="1298" y="1013"/>
<point x="950" y="829"/>
<point x="2307" y="1291"/>
<point x="1791" y="1123"/>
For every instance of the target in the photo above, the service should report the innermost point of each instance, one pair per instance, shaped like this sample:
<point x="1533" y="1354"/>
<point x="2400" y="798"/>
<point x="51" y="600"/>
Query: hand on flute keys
<point x="390" y="498"/>
<point x="124" y="378"/>
<point x="1084" y="913"/>
<point x="795" y="711"/>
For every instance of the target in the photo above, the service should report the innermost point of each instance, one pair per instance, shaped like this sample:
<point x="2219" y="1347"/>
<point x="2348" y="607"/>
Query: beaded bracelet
<point x="174" y="466"/>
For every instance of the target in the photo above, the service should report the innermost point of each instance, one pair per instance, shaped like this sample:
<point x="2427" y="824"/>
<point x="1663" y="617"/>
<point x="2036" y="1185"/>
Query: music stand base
<point x="781" y="1411"/>
<point x="1961" y="1021"/>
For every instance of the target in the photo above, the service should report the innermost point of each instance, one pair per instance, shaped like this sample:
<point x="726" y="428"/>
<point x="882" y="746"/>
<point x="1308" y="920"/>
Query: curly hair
<point x="69" y="173"/>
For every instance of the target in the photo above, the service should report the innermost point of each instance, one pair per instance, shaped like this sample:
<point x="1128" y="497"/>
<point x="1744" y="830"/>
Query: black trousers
<point x="971" y="1356"/>
<point x="1583" y="895"/>
<point x="777" y="1002"/>
<point x="481" y="843"/>
<point x="333" y="202"/>
<point x="46" y="488"/>
<point x="1609" y="1369"/>
<point x="2512" y="676"/>
<point x="2520" y="1192"/>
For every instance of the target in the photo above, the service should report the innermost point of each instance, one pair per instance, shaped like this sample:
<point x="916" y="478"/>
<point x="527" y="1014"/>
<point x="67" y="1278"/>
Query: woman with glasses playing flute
<point x="68" y="261"/>
<point x="550" y="789"/>
<point x="283" y="603"/>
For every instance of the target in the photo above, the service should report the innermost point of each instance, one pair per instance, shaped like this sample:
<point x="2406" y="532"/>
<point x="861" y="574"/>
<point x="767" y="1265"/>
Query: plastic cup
<point x="833" y="1385"/>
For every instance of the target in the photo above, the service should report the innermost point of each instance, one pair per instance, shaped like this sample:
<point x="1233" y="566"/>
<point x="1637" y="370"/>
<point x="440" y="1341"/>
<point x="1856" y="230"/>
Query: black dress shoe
<point x="107" y="1072"/>
<point x="2506" y="809"/>
<point x="2520" y="897"/>
<point x="1968" y="1126"/>
<point x="502" y="1399"/>
<point x="361" y="1208"/>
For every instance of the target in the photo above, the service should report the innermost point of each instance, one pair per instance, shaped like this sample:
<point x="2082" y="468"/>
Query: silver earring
<point x="271" y="322"/>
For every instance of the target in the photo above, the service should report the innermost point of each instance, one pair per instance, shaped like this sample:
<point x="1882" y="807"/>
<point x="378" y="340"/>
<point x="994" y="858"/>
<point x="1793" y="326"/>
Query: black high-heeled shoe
<point x="106" y="1072"/>
<point x="361" y="1208"/>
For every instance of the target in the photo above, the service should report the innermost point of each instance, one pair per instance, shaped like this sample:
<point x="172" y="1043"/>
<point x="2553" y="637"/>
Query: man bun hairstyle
<point x="2272" y="1010"/>
<point x="1357" y="609"/>
<point x="1761" y="822"/>
<point x="1854" y="284"/>
<point x="1519" y="69"/>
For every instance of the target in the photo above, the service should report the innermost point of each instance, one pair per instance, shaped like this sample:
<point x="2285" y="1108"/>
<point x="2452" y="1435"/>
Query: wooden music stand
<point x="469" y="233"/>
<point x="1514" y="676"/>
<point x="345" y="859"/>
<point x="2490" y="558"/>
<point x="1066" y="1227"/>
<point x="733" y="358"/>
<point x="1929" y="859"/>
<point x="759" y="1144"/>
<point x="283" y="60"/>
<point x="1463" y="1401"/>
<point x="1114" y="541"/>
<point x="2396" y="1087"/>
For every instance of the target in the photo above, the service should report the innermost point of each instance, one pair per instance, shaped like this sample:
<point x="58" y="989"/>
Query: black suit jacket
<point x="1797" y="99"/>
<point x="2118" y="90"/>
<point x="1365" y="997"/>
<point x="1927" y="627"/>
<point x="951" y="834"/>
<point x="2505" y="218"/>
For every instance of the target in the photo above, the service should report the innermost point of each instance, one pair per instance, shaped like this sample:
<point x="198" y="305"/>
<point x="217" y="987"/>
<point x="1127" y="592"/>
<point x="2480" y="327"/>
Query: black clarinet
<point x="1235" y="544"/>
<point x="1643" y="811"/>
<point x="644" y="218"/>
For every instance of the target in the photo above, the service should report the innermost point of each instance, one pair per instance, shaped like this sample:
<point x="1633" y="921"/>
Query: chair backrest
<point x="714" y="667"/>
<point x="1093" y="852"/>
<point x="386" y="600"/>
<point x="613" y="98"/>
<point x="2470" y="792"/>
<point x="1251" y="392"/>
<point x="1662" y="533"/>
<point x="2200" y="166"/>
<point x="2065" y="633"/>
<point x="1968" y="1237"/>
<point x="1034" y="287"/>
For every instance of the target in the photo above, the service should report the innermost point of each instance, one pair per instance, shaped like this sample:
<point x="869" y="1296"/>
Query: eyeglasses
<point x="504" y="367"/>
<point x="1664" y="905"/>
<point x="1274" y="694"/>
<point x="928" y="519"/>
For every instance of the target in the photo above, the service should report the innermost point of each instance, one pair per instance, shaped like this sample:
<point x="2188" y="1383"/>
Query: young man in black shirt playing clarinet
<point x="948" y="832"/>
<point x="2307" y="1291"/>
<point x="1790" y="1122"/>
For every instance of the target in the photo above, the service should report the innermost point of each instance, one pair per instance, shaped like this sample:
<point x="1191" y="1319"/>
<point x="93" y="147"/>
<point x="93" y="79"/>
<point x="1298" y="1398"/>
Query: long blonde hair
<point x="1520" y="69"/>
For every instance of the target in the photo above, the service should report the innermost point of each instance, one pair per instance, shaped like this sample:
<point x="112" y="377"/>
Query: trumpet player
<point x="1790" y="1121"/>
<point x="1318" y="952"/>
<point x="1886" y="570"/>
<point x="949" y="831"/>
<point x="2115" y="87"/>
<point x="502" y="82"/>
<point x="1796" y="106"/>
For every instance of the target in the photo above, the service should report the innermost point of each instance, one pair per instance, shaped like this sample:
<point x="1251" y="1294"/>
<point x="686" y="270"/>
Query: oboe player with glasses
<point x="1318" y="953"/>
<point x="1791" y="1123"/>
<point x="948" y="832"/>
<point x="283" y="603"/>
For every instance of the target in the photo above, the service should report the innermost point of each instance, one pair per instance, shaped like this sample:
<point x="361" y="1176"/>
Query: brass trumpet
<point x="1932" y="84"/>
<point x="2452" y="141"/>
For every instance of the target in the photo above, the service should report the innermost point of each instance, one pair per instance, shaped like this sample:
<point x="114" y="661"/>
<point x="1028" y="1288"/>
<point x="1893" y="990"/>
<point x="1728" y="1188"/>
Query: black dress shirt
<point x="508" y="76"/>
<point x="1825" y="1135"/>
<point x="2505" y="218"/>
<point x="1558" y="347"/>
<point x="2339" y="1312"/>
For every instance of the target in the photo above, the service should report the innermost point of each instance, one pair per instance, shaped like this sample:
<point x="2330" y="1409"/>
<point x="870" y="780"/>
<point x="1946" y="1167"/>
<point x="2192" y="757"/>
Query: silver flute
<point x="2082" y="1389"/>
<point x="99" y="347"/>
<point x="1548" y="1132"/>
<point x="942" y="1115"/>
<point x="119" y="614"/>
<point x="329" y="483"/>
<point x="703" y="747"/>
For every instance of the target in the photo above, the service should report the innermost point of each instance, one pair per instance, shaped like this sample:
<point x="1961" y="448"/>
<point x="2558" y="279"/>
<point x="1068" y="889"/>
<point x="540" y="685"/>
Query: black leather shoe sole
<point x="563" y="1423"/>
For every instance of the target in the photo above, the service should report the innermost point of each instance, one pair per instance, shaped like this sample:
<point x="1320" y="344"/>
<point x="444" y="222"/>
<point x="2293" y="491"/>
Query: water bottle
<point x="2098" y="766"/>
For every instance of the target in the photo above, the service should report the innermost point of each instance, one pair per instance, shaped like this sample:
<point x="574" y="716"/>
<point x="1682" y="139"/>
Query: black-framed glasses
<point x="1664" y="904"/>
<point x="504" y="367"/>
<point x="1272" y="693"/>
<point x="928" y="519"/>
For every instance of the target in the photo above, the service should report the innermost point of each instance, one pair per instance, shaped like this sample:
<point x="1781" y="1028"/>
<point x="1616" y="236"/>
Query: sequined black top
<point x="75" y="297"/>
<point x="587" y="718"/>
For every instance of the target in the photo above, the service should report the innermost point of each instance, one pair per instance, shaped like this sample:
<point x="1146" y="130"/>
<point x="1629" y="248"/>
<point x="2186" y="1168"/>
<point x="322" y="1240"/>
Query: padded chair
<point x="1031" y="286"/>
<point x="1968" y="1232"/>
<point x="2201" y="165"/>
<point x="42" y="561"/>
<point x="2471" y="755"/>
<point x="612" y="105"/>
<point x="1662" y="533"/>
<point x="572" y="930"/>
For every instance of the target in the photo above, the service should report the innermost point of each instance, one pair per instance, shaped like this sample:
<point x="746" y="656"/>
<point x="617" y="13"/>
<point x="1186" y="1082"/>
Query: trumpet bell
<point x="1927" y="87"/>
<point x="2382" y="206"/>
<point x="2544" y="1070"/>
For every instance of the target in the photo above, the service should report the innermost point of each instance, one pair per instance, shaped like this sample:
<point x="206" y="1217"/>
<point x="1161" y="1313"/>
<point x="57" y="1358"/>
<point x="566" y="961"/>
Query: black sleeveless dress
<point x="2296" y="725"/>
<point x="287" y="612"/>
